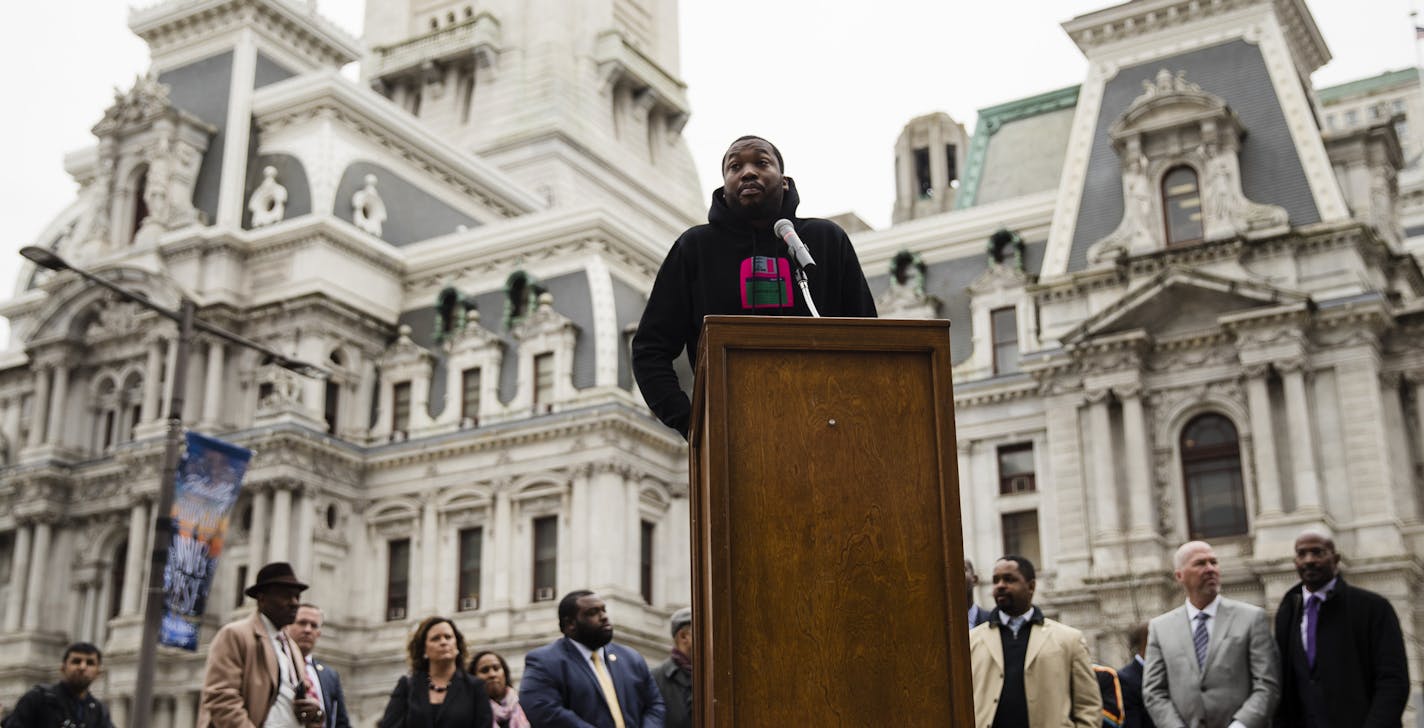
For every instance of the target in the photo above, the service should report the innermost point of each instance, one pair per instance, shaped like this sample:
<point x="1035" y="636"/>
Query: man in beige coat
<point x="1029" y="671"/>
<point x="251" y="679"/>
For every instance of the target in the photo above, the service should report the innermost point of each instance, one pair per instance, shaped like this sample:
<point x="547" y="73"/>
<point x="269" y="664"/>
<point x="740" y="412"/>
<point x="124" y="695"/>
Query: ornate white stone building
<point x="1183" y="305"/>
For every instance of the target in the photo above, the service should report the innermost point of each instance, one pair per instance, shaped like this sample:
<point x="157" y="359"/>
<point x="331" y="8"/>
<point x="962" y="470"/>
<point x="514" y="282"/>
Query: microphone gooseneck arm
<point x="800" y="257"/>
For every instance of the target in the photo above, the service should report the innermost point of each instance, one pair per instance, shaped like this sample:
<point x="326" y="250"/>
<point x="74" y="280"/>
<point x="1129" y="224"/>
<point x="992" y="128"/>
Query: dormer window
<point x="1182" y="206"/>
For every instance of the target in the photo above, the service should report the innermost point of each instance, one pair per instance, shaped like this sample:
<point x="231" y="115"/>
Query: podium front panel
<point x="826" y="533"/>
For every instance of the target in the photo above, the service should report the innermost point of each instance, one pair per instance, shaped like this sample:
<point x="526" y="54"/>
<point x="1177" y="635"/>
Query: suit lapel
<point x="269" y="651"/>
<point x="615" y="673"/>
<point x="1036" y="639"/>
<point x="995" y="645"/>
<point x="586" y="669"/>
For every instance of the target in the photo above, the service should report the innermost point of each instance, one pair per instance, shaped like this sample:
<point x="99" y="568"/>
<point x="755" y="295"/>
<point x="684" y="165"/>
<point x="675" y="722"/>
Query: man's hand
<point x="309" y="711"/>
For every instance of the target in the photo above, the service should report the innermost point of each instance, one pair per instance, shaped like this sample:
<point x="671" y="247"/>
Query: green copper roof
<point x="993" y="118"/>
<point x="1367" y="86"/>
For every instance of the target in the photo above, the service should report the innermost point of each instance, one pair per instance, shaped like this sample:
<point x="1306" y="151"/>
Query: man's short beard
<point x="764" y="209"/>
<point x="592" y="638"/>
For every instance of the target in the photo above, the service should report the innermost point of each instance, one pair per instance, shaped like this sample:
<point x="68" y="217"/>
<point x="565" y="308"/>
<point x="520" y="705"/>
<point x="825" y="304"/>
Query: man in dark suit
<point x="977" y="614"/>
<point x="583" y="680"/>
<point x="1130" y="676"/>
<point x="304" y="632"/>
<point x="1341" y="645"/>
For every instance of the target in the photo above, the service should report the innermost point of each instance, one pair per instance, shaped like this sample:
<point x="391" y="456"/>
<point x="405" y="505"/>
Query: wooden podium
<point x="828" y="580"/>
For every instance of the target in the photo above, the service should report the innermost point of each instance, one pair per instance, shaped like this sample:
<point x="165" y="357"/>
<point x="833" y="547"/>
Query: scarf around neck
<point x="507" y="713"/>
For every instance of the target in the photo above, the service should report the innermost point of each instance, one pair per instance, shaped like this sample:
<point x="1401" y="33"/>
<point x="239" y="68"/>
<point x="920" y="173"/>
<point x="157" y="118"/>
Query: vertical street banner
<point x="209" y="478"/>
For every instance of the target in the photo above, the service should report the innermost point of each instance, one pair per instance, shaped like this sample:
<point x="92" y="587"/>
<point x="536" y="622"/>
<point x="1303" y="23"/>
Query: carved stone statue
<point x="368" y="210"/>
<point x="268" y="204"/>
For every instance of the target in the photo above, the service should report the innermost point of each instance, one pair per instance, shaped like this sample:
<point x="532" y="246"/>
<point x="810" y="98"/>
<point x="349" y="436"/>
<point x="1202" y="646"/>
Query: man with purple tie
<point x="1341" y="647"/>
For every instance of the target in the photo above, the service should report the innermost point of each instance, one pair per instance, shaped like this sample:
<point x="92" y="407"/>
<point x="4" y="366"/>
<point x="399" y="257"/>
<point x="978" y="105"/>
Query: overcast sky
<point x="831" y="83"/>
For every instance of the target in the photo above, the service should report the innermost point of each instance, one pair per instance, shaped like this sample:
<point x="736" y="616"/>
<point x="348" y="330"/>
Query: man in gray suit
<point x="1212" y="662"/>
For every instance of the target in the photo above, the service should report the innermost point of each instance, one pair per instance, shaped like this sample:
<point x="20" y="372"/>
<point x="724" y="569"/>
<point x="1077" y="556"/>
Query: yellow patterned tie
<point x="608" y="691"/>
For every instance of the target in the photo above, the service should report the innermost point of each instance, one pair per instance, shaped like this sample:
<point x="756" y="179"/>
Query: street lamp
<point x="162" y="522"/>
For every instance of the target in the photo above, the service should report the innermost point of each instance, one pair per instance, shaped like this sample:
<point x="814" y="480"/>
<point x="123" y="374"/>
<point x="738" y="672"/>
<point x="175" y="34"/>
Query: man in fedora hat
<point x="253" y="675"/>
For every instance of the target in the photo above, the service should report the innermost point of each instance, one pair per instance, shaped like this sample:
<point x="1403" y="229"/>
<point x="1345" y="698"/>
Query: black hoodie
<point x="730" y="267"/>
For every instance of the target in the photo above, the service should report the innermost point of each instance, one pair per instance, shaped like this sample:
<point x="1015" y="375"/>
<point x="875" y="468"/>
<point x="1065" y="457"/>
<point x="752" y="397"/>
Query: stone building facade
<point x="1184" y="305"/>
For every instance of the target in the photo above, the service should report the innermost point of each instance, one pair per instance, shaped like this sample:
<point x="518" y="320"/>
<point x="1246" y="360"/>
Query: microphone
<point x="786" y="231"/>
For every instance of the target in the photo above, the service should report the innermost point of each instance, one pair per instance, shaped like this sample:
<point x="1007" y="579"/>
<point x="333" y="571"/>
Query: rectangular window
<point x="7" y="555"/>
<point x="645" y="571"/>
<point x="546" y="557"/>
<point x="1016" y="469"/>
<point x="543" y="381"/>
<point x="923" y="183"/>
<point x="1021" y="535"/>
<point x="470" y="396"/>
<point x="241" y="585"/>
<point x="400" y="407"/>
<point x="471" y="548"/>
<point x="397" y="579"/>
<point x="950" y="154"/>
<point x="1005" y="325"/>
<point x="333" y="395"/>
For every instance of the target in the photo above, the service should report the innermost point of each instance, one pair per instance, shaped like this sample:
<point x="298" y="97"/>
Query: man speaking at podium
<point x="741" y="262"/>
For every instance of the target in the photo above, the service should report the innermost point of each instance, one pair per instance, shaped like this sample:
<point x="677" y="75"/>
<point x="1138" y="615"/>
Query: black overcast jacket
<point x="702" y="276"/>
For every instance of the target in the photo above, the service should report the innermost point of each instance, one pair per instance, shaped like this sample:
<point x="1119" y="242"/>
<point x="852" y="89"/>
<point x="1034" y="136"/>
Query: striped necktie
<point x="1200" y="638"/>
<point x="609" y="692"/>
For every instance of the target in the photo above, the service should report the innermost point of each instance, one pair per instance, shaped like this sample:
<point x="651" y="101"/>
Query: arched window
<point x="1211" y="472"/>
<point x="1182" y="206"/>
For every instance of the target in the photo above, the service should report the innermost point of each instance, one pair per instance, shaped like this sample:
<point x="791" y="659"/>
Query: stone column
<point x="428" y="557"/>
<point x="10" y="426"/>
<point x="152" y="375"/>
<point x="967" y="497"/>
<point x="59" y="394"/>
<point x="385" y="402"/>
<point x="257" y="535"/>
<point x="1105" y="497"/>
<point x="213" y="389"/>
<point x="19" y="577"/>
<point x="170" y="369"/>
<point x="86" y="611"/>
<point x="40" y="416"/>
<point x="503" y="527"/>
<point x="1141" y="513"/>
<point x="279" y="544"/>
<point x="133" y="559"/>
<point x="1307" y="486"/>
<point x="420" y="400"/>
<point x="1263" y="441"/>
<point x="302" y="538"/>
<point x="185" y="707"/>
<point x="39" y="572"/>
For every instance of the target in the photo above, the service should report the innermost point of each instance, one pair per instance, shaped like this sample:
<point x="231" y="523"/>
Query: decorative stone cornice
<point x="168" y="26"/>
<point x="1130" y="20"/>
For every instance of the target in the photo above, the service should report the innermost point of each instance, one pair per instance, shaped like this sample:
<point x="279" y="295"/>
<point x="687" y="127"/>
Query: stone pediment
<point x="1180" y="301"/>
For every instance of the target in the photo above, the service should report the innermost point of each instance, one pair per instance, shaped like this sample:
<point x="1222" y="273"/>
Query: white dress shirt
<point x="1305" y="595"/>
<point x="282" y="714"/>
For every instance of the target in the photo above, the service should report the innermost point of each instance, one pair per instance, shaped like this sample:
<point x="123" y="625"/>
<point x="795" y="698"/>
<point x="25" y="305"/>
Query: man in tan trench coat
<point x="252" y="678"/>
<point x="1029" y="671"/>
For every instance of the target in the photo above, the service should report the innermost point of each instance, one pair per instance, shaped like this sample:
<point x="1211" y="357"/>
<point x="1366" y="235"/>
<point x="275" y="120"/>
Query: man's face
<point x="1315" y="560"/>
<point x="751" y="180"/>
<point x="1200" y="575"/>
<point x="1012" y="592"/>
<point x="591" y="625"/>
<point x="279" y="604"/>
<point x="683" y="640"/>
<point x="305" y="629"/>
<point x="79" y="670"/>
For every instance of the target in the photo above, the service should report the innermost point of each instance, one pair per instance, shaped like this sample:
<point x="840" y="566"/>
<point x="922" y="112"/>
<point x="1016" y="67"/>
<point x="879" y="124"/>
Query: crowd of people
<point x="1334" y="658"/>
